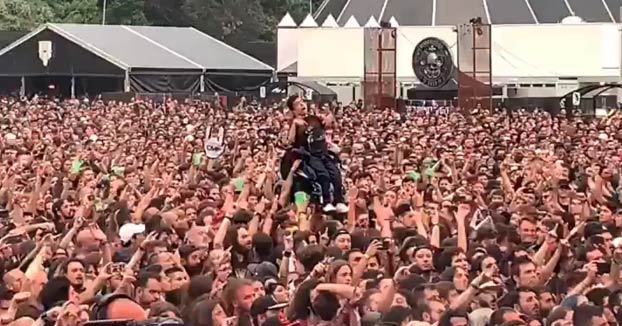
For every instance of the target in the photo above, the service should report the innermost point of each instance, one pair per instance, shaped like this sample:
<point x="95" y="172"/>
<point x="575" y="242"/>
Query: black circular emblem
<point x="432" y="62"/>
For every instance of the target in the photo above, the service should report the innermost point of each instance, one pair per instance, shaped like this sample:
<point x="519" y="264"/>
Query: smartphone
<point x="603" y="268"/>
<point x="386" y="242"/>
<point x="116" y="268"/>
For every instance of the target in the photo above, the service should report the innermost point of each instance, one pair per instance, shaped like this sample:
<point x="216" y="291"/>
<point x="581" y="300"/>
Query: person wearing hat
<point x="265" y="307"/>
<point x="342" y="240"/>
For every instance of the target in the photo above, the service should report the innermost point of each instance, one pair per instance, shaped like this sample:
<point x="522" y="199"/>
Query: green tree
<point x="75" y="11"/>
<point x="233" y="21"/>
<point x="166" y="12"/>
<point x="24" y="15"/>
<point x="125" y="12"/>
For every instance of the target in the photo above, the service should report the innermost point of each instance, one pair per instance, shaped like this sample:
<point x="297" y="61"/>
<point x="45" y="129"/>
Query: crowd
<point x="306" y="214"/>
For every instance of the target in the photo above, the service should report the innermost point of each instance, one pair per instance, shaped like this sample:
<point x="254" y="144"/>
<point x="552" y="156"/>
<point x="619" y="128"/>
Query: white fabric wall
<point x="330" y="53"/>
<point x="518" y="51"/>
<point x="287" y="47"/>
<point x="586" y="50"/>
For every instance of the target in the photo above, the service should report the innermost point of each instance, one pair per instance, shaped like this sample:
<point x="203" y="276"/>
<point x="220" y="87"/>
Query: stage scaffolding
<point x="474" y="66"/>
<point x="379" y="82"/>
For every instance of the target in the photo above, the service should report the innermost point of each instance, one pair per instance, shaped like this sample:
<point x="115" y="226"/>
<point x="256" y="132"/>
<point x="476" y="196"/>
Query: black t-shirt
<point x="312" y="136"/>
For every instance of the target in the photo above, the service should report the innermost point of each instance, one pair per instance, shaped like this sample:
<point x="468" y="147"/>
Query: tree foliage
<point x="20" y="15"/>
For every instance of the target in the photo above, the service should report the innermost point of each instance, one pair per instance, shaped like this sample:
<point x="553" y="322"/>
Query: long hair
<point x="334" y="268"/>
<point x="231" y="239"/>
<point x="300" y="307"/>
<point x="201" y="312"/>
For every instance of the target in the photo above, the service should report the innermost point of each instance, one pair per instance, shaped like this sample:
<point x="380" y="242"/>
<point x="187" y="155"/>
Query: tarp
<point x="164" y="83"/>
<point x="456" y="12"/>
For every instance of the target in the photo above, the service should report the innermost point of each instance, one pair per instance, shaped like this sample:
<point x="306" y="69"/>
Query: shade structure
<point x="132" y="58"/>
<point x="455" y="12"/>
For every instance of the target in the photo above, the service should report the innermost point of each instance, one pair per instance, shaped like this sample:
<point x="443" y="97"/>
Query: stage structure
<point x="380" y="78"/>
<point x="474" y="65"/>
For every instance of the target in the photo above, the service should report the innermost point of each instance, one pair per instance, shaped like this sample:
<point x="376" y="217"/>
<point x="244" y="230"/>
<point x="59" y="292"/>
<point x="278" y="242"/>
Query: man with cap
<point x="264" y="308"/>
<point x="342" y="240"/>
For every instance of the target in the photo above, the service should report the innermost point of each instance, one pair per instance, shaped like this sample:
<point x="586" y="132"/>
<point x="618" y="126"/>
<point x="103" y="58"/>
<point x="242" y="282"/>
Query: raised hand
<point x="105" y="272"/>
<point x="213" y="144"/>
<point x="373" y="248"/>
<point x="261" y="206"/>
<point x="324" y="238"/>
<point x="463" y="211"/>
<point x="149" y="241"/>
<point x="353" y="193"/>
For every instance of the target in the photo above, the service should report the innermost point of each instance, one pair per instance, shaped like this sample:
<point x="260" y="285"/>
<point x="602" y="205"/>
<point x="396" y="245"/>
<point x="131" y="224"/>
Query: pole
<point x="126" y="82"/>
<point x="104" y="13"/>
<point x="73" y="87"/>
<point x="22" y="88"/>
<point x="311" y="7"/>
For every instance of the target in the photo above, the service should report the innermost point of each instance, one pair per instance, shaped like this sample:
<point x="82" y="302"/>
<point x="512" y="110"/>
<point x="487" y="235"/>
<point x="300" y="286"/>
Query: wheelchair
<point x="305" y="179"/>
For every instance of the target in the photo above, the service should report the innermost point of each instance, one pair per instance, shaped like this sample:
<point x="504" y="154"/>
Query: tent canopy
<point x="456" y="12"/>
<point x="149" y="58"/>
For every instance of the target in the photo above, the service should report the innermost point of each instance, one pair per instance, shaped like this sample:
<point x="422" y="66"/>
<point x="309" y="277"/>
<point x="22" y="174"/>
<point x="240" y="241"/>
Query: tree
<point x="75" y="11"/>
<point x="24" y="15"/>
<point x="233" y="21"/>
<point x="166" y="12"/>
<point x="125" y="12"/>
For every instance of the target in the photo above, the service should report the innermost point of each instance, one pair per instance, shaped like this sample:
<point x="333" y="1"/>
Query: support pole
<point x="22" y="87"/>
<point x="104" y="12"/>
<point x="126" y="81"/>
<point x="73" y="86"/>
<point x="202" y="82"/>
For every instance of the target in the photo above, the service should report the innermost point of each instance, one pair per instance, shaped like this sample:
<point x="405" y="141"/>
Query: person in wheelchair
<point x="308" y="138"/>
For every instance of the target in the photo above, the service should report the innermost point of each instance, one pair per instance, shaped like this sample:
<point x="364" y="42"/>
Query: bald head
<point x="14" y="279"/>
<point x="124" y="308"/>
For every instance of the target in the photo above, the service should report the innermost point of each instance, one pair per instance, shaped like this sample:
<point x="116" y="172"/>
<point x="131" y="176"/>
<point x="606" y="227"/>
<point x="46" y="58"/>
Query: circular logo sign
<point x="432" y="62"/>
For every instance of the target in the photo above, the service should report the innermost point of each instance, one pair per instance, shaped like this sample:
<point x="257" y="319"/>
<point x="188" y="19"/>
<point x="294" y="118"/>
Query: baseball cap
<point x="127" y="231"/>
<point x="594" y="228"/>
<point x="262" y="305"/>
<point x="263" y="270"/>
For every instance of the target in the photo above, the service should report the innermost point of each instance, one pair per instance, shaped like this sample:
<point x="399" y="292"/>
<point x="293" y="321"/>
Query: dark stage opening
<point x="89" y="86"/>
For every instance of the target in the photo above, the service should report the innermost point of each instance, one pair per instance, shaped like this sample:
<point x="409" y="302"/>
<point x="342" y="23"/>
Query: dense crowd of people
<point x="306" y="214"/>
